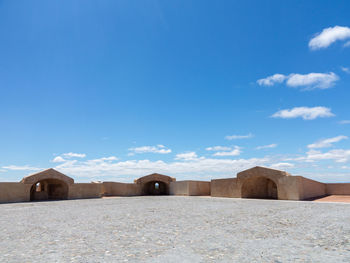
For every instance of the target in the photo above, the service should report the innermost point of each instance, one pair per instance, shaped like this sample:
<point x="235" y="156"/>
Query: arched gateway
<point x="155" y="184"/>
<point x="259" y="187"/>
<point x="260" y="182"/>
<point x="48" y="185"/>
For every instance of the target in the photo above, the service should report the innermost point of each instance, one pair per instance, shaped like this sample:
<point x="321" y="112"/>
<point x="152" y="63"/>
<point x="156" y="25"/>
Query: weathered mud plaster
<point x="257" y="182"/>
<point x="261" y="182"/>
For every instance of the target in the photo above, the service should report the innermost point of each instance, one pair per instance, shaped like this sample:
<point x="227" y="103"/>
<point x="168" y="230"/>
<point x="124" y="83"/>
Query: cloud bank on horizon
<point x="190" y="165"/>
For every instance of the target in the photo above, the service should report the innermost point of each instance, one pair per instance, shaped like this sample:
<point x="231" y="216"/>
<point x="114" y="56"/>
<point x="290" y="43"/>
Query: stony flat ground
<point x="174" y="229"/>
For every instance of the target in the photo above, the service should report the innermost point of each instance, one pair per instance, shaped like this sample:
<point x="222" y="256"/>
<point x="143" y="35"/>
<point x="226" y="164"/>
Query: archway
<point x="259" y="187"/>
<point x="49" y="189"/>
<point x="155" y="188"/>
<point x="154" y="184"/>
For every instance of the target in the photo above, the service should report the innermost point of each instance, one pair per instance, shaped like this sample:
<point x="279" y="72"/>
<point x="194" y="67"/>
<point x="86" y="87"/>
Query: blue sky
<point x="113" y="90"/>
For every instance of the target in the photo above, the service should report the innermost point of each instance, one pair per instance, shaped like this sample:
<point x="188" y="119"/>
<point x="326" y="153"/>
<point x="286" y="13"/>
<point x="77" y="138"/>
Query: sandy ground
<point x="335" y="198"/>
<point x="175" y="229"/>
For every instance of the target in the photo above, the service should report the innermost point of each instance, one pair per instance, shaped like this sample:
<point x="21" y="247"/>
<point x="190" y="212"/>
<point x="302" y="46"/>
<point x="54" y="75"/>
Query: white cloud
<point x="325" y="143"/>
<point x="328" y="36"/>
<point x="218" y="148"/>
<point x="312" y="80"/>
<point x="308" y="81"/>
<point x="74" y="155"/>
<point x="231" y="152"/>
<point x="273" y="145"/>
<point x="58" y="159"/>
<point x="307" y="113"/>
<point x="345" y="69"/>
<point x="186" y="156"/>
<point x="347" y="44"/>
<point x="344" y="122"/>
<point x="21" y="168"/>
<point x="191" y="167"/>
<point x="110" y="158"/>
<point x="282" y="165"/>
<point x="236" y="137"/>
<point x="338" y="155"/>
<point x="271" y="80"/>
<point x="161" y="149"/>
<point x="225" y="151"/>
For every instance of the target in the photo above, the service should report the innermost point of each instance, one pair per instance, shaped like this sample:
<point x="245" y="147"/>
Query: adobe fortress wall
<point x="85" y="190"/>
<point x="190" y="188"/>
<point x="309" y="189"/>
<point x="225" y="188"/>
<point x="257" y="182"/>
<point x="121" y="189"/>
<point x="338" y="189"/>
<point x="14" y="192"/>
<point x="261" y="182"/>
<point x="47" y="185"/>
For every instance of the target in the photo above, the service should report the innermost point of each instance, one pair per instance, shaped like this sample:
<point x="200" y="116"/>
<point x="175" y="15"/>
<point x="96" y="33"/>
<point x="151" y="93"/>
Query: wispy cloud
<point x="218" y="148"/>
<point x="328" y="36"/>
<point x="306" y="113"/>
<point x="282" y="165"/>
<point x="344" y="122"/>
<point x="269" y="146"/>
<point x="161" y="149"/>
<point x="308" y="81"/>
<point x="272" y="80"/>
<point x="235" y="151"/>
<point x="345" y="69"/>
<point x="21" y="168"/>
<point x="325" y="143"/>
<point x="58" y="159"/>
<point x="74" y="155"/>
<point x="105" y="159"/>
<point x="313" y="80"/>
<point x="225" y="150"/>
<point x="186" y="156"/>
<point x="237" y="137"/>
<point x="62" y="158"/>
<point x="338" y="155"/>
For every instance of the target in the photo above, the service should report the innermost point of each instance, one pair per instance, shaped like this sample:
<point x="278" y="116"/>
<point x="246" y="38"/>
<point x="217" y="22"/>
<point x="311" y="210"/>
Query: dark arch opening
<point x="49" y="189"/>
<point x="259" y="187"/>
<point x="155" y="188"/>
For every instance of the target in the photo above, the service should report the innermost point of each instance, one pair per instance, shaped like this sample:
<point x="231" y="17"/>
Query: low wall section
<point x="199" y="188"/>
<point x="14" y="192"/>
<point x="121" y="189"/>
<point x="85" y="190"/>
<point x="189" y="188"/>
<point x="225" y="188"/>
<point x="289" y="188"/>
<point x="309" y="189"/>
<point x="178" y="188"/>
<point x="338" y="189"/>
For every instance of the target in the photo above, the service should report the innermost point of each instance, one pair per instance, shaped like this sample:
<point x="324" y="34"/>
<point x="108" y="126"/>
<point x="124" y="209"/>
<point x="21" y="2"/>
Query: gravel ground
<point x="174" y="229"/>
